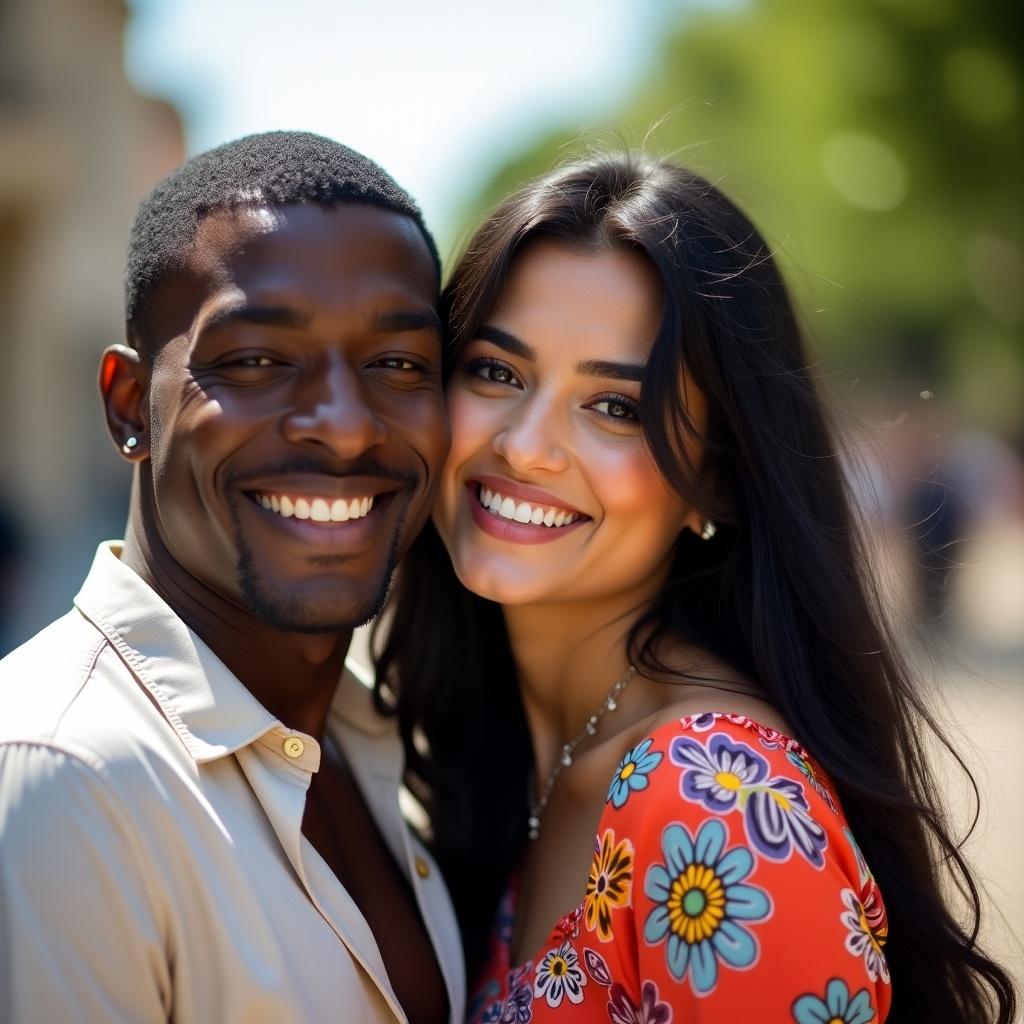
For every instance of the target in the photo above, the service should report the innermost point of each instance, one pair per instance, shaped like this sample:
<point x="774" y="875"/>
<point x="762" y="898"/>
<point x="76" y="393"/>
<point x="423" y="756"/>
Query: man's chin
<point x="330" y="595"/>
<point x="314" y="607"/>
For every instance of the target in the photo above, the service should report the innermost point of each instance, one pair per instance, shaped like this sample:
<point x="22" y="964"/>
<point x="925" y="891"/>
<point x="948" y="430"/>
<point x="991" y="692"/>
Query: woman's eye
<point x="491" y="370"/>
<point x="617" y="409"/>
<point x="499" y="374"/>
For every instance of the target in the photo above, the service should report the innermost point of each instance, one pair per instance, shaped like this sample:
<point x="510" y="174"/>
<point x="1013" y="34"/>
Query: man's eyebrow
<point x="397" y="321"/>
<point x="266" y="316"/>
<point x="614" y="371"/>
<point x="509" y="342"/>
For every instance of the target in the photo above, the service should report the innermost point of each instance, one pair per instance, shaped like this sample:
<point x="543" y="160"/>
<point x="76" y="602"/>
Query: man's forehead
<point x="233" y="226"/>
<point x="224" y="232"/>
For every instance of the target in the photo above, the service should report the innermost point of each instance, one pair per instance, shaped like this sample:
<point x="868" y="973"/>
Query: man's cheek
<point x="427" y="425"/>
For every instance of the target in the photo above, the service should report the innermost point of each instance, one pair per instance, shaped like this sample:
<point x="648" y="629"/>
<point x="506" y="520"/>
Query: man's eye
<point x="396" y="363"/>
<point x="251" y="362"/>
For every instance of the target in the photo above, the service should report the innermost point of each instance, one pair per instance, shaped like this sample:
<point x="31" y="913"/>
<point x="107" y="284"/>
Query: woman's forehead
<point x="568" y="303"/>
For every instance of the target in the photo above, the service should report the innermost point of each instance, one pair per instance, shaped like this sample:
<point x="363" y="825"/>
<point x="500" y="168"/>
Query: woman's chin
<point x="501" y="583"/>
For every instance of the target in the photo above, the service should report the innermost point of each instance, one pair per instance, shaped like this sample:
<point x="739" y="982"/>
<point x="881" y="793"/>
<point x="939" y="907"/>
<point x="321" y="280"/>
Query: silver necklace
<point x="610" y="703"/>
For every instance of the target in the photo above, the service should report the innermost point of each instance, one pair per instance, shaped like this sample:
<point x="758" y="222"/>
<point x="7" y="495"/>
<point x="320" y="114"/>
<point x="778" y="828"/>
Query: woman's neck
<point x="567" y="658"/>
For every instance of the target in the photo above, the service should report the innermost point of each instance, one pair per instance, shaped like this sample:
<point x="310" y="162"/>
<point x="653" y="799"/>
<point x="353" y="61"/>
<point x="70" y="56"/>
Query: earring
<point x="709" y="530"/>
<point x="130" y="445"/>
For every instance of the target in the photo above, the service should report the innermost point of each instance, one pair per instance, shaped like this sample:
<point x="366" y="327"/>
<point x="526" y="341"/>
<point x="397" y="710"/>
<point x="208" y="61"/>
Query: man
<point x="198" y="822"/>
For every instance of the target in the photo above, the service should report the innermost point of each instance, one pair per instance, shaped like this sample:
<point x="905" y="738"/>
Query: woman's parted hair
<point x="783" y="593"/>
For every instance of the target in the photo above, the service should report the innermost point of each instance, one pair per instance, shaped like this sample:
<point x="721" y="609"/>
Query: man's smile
<point x="321" y="509"/>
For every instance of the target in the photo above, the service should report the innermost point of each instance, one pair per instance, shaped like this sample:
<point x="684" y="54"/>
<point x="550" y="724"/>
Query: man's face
<point x="296" y="412"/>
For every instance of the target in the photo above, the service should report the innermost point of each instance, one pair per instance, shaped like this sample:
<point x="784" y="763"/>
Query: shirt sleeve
<point x="746" y="892"/>
<point x="79" y="939"/>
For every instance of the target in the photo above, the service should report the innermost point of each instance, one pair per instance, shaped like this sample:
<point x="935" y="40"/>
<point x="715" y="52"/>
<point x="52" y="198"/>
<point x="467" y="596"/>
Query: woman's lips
<point x="519" y="492"/>
<point x="540" y="522"/>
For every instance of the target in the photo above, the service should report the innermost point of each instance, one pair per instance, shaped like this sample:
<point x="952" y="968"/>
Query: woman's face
<point x="550" y="494"/>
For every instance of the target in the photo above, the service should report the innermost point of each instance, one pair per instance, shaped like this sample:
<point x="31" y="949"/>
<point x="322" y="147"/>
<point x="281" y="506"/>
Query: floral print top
<point x="725" y="886"/>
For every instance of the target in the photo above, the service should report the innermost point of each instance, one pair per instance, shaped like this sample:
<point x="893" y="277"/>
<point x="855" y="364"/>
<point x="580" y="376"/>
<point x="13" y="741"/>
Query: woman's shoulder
<point x="691" y="763"/>
<point x="734" y="842"/>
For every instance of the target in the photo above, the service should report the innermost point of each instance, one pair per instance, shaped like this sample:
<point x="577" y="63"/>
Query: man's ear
<point x="123" y="387"/>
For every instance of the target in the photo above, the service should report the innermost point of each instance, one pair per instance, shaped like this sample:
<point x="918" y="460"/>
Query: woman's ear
<point x="694" y="521"/>
<point x="123" y="387"/>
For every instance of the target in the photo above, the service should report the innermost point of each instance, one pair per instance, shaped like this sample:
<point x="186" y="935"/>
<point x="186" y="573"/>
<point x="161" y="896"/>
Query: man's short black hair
<point x="269" y="169"/>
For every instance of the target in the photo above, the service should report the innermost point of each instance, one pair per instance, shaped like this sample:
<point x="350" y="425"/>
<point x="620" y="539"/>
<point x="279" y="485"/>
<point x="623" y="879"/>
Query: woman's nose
<point x="533" y="437"/>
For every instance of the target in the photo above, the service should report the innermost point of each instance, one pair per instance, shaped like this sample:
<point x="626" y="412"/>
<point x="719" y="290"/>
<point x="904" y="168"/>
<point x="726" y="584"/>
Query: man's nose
<point x="333" y="409"/>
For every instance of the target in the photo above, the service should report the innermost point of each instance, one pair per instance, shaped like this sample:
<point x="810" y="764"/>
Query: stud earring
<point x="709" y="530"/>
<point x="130" y="445"/>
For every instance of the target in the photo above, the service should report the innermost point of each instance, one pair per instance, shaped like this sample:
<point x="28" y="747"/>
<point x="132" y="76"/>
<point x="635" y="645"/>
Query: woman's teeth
<point x="523" y="511"/>
<point x="320" y="510"/>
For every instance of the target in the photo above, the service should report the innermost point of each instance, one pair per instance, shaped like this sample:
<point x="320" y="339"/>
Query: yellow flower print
<point x="696" y="904"/>
<point x="609" y="884"/>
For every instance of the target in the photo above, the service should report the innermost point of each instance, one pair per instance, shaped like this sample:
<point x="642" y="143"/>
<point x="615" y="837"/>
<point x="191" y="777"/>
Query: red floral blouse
<point x="725" y="886"/>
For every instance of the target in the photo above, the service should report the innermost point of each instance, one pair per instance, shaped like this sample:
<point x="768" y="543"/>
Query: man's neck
<point x="293" y="675"/>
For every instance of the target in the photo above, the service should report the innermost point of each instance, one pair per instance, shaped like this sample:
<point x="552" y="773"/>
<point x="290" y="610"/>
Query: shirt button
<point x="293" y="746"/>
<point x="422" y="867"/>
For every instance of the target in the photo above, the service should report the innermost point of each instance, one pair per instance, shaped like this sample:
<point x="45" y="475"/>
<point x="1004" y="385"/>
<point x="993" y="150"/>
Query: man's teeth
<point x="523" y="511"/>
<point x="320" y="510"/>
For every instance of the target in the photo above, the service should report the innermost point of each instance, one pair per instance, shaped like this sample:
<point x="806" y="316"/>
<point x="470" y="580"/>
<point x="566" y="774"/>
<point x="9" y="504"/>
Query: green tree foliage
<point x="878" y="143"/>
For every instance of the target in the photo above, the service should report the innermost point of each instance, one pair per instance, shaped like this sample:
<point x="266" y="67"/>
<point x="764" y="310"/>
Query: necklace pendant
<point x="610" y="704"/>
<point x="592" y="727"/>
<point x="534" y="826"/>
<point x="566" y="758"/>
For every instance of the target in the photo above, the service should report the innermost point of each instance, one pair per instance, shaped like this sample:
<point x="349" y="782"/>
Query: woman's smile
<point x="500" y="514"/>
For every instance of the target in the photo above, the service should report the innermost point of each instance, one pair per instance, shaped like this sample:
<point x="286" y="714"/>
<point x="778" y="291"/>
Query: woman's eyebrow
<point x="615" y="371"/>
<point x="509" y="342"/>
<point x="588" y="368"/>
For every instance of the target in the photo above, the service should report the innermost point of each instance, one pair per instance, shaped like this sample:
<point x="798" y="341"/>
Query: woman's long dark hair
<point x="783" y="593"/>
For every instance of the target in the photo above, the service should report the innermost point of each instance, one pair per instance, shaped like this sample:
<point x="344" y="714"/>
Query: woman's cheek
<point x="472" y="420"/>
<point x="634" y="498"/>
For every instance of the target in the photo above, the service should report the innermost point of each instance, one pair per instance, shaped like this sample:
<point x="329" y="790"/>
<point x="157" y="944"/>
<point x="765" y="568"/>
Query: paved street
<point x="988" y="712"/>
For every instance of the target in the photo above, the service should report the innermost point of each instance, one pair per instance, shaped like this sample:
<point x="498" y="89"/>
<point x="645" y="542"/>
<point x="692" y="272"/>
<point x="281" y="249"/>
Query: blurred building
<point x="79" y="149"/>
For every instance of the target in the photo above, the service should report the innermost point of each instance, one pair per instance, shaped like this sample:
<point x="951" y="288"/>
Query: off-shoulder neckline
<point x="771" y="739"/>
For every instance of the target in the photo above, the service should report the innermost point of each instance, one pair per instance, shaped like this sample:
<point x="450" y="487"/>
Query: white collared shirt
<point x="152" y="865"/>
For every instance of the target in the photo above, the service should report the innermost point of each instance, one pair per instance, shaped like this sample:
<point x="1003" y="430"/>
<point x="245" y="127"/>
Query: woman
<point x="663" y="700"/>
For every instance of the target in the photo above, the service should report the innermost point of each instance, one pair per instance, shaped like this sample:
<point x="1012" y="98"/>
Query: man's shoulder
<point x="40" y="679"/>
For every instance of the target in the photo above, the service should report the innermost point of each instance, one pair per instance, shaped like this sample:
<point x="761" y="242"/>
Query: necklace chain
<point x="609" y="704"/>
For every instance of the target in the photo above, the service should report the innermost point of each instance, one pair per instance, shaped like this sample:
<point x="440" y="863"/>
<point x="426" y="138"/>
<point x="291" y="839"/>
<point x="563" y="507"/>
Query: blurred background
<point x="878" y="143"/>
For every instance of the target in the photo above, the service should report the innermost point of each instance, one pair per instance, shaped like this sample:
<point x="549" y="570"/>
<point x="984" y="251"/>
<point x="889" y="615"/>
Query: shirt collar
<point x="209" y="708"/>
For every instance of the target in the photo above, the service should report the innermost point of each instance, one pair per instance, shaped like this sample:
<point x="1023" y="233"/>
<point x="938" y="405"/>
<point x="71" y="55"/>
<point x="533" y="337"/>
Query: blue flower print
<point x="836" y="1008"/>
<point x="701" y="723"/>
<point x="717" y="773"/>
<point x="632" y="773"/>
<point x="807" y="769"/>
<point x="863" y="871"/>
<point x="778" y="819"/>
<point x="517" y="1008"/>
<point x="725" y="775"/>
<point x="700" y="898"/>
<point x="486" y="997"/>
